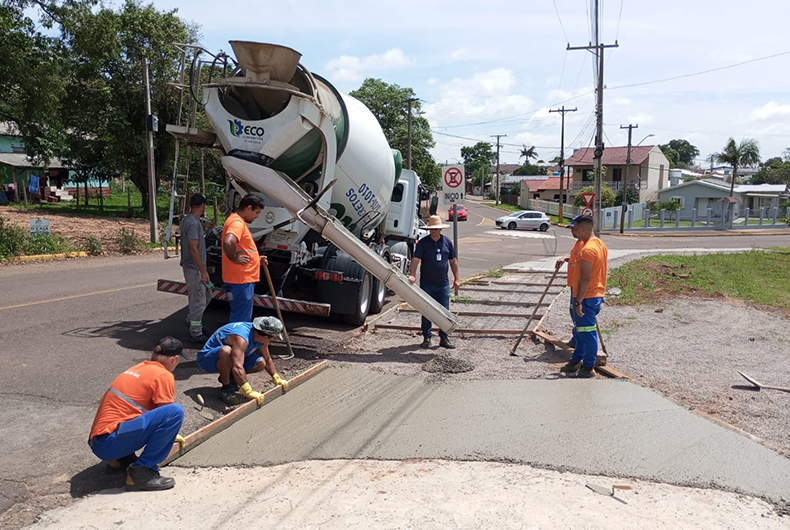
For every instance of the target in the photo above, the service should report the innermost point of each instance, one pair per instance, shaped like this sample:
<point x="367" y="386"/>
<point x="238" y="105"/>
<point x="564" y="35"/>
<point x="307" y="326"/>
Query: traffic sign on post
<point x="453" y="184"/>
<point x="588" y="199"/>
<point x="588" y="212"/>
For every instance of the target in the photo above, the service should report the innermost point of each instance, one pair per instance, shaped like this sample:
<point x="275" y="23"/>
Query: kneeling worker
<point x="138" y="412"/>
<point x="238" y="349"/>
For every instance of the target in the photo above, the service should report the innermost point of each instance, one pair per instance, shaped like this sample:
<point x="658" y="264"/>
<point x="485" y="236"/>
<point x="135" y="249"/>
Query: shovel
<point x="759" y="385"/>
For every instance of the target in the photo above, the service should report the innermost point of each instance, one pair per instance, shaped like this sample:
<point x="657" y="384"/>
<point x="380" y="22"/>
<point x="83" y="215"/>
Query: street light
<point x="643" y="139"/>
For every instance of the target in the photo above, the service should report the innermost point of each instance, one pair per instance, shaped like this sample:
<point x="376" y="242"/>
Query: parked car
<point x="462" y="213"/>
<point x="525" y="219"/>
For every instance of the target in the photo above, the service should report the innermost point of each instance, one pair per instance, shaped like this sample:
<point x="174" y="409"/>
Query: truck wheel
<point x="379" y="287"/>
<point x="364" y="296"/>
<point x="402" y="248"/>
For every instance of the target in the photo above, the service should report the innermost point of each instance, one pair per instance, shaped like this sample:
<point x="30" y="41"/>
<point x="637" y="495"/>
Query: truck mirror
<point x="434" y="205"/>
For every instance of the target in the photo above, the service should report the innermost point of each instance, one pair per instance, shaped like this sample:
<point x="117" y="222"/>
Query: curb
<point x="710" y="233"/>
<point x="62" y="255"/>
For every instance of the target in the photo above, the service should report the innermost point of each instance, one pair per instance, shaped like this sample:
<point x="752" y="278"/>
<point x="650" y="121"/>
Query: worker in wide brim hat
<point x="434" y="255"/>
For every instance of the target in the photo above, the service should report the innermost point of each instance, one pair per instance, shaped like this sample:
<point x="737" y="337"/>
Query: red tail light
<point x="336" y="277"/>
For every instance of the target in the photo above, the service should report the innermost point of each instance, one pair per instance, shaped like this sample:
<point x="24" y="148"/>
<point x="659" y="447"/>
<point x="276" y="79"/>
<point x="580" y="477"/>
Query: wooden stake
<point x="534" y="311"/>
<point x="478" y="314"/>
<point x="277" y="308"/>
<point x="457" y="330"/>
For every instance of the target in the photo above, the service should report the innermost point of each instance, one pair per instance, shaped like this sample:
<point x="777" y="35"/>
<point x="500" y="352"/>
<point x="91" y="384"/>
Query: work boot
<point x="445" y="343"/>
<point x="233" y="386"/>
<point x="144" y="478"/>
<point x="229" y="396"/>
<point x="571" y="367"/>
<point x="585" y="372"/>
<point x="570" y="344"/>
<point x="426" y="343"/>
<point x="122" y="463"/>
<point x="198" y="339"/>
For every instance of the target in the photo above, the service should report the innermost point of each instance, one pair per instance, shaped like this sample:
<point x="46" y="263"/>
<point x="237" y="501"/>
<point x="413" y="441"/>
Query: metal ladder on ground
<point x="187" y="136"/>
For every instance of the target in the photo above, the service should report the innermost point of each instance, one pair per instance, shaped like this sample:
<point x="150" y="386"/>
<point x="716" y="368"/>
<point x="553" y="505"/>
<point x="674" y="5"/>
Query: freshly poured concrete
<point x="587" y="426"/>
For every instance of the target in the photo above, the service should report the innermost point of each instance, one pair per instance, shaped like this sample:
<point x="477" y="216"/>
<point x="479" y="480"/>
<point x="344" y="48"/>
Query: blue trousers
<point x="586" y="333"/>
<point x="155" y="430"/>
<point x="440" y="293"/>
<point x="573" y="319"/>
<point x="240" y="298"/>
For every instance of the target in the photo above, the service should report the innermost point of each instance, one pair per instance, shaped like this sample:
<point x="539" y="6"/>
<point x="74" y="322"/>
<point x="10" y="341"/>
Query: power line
<point x="619" y="17"/>
<point x="560" y="19"/>
<point x="702" y="72"/>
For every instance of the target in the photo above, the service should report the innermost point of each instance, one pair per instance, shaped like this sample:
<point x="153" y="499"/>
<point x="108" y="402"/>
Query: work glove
<point x="277" y="380"/>
<point x="180" y="441"/>
<point x="247" y="391"/>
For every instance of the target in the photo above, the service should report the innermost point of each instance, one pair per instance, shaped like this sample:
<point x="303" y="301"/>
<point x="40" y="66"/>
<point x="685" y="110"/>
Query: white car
<point x="525" y="219"/>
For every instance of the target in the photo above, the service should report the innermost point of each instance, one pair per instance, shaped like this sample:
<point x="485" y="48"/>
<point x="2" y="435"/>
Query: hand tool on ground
<point x="206" y="414"/>
<point x="600" y="338"/>
<point x="605" y="491"/>
<point x="277" y="309"/>
<point x="534" y="311"/>
<point x="759" y="385"/>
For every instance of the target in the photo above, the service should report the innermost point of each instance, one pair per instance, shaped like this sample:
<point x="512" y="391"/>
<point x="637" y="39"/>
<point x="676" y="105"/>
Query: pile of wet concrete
<point x="445" y="364"/>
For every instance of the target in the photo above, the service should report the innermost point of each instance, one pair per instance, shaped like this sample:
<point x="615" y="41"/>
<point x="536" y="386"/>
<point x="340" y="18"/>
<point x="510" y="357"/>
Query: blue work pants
<point x="155" y="430"/>
<point x="240" y="297"/>
<point x="440" y="293"/>
<point x="585" y="332"/>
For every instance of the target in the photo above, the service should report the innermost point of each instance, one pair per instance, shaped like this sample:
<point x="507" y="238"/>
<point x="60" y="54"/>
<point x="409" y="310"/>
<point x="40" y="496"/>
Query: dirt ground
<point x="78" y="228"/>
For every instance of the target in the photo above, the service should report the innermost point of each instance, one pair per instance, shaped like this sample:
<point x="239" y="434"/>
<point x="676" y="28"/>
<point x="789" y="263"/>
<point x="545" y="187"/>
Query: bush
<point x="607" y="196"/>
<point x="13" y="239"/>
<point x="47" y="244"/>
<point x="93" y="246"/>
<point x="128" y="242"/>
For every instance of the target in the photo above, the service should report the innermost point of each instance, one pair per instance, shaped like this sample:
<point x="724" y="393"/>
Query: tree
<point x="529" y="169"/>
<point x="686" y="152"/>
<point x="773" y="171"/>
<point x="607" y="196"/>
<point x="390" y="103"/>
<point x="746" y="153"/>
<point x="631" y="194"/>
<point x="527" y="153"/>
<point x="477" y="160"/>
<point x="672" y="155"/>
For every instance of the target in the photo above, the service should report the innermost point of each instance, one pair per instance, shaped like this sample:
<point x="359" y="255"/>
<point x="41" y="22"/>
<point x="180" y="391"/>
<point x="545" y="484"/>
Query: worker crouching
<point x="138" y="412"/>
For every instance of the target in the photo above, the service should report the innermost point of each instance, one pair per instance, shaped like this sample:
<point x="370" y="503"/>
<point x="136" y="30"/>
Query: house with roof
<point x="16" y="169"/>
<point x="648" y="172"/>
<point x="708" y="193"/>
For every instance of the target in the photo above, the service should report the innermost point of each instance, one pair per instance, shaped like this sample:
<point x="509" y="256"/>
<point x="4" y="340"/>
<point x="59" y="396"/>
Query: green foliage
<point x="128" y="242"/>
<point x="669" y="207"/>
<point x="515" y="188"/>
<point x="775" y="171"/>
<point x="13" y="239"/>
<point x="631" y="194"/>
<point x="93" y="246"/>
<point x="47" y="244"/>
<point x="390" y="104"/>
<point x="686" y="152"/>
<point x="527" y="153"/>
<point x="477" y="161"/>
<point x="529" y="169"/>
<point x="608" y="197"/>
<point x="672" y="155"/>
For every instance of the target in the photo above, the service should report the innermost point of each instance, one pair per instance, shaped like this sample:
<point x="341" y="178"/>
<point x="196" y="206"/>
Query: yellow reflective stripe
<point x="584" y="329"/>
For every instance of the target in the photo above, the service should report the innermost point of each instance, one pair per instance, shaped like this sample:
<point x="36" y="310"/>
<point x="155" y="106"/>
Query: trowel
<point x="206" y="414"/>
<point x="759" y="385"/>
<point x="605" y="491"/>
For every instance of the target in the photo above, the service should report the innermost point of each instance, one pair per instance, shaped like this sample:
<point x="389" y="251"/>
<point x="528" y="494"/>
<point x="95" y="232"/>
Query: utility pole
<point x="408" y="153"/>
<point x="496" y="193"/>
<point x="562" y="111"/>
<point x="151" y="167"/>
<point x="599" y="48"/>
<point x="625" y="180"/>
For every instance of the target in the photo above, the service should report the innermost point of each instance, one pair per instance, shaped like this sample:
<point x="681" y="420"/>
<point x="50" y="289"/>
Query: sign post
<point x="453" y="189"/>
<point x="588" y="200"/>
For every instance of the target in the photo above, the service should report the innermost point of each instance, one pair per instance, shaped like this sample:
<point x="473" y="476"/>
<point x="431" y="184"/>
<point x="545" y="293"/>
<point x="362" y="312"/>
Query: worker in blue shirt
<point x="436" y="253"/>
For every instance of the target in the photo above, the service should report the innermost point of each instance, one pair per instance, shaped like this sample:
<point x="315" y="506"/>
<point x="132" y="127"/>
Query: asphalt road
<point x="67" y="328"/>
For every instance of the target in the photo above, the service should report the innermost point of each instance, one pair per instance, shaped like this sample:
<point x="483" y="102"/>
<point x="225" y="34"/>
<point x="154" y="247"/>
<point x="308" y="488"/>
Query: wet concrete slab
<point x="597" y="426"/>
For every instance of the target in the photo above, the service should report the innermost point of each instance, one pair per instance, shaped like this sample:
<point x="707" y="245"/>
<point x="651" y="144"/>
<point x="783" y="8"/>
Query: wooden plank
<point x="534" y="271"/>
<point x="610" y="372"/>
<point x="477" y="314"/>
<point x="503" y="291"/>
<point x="220" y="424"/>
<point x="483" y="301"/>
<point x="548" y="309"/>
<point x="534" y="312"/>
<point x="553" y="340"/>
<point x="600" y="364"/>
<point x="457" y="330"/>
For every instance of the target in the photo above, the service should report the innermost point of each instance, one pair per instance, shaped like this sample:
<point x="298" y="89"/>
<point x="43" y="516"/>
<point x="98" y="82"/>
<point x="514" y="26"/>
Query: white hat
<point x="435" y="223"/>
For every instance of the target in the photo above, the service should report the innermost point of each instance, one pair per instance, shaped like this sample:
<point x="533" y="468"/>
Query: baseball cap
<point x="169" y="346"/>
<point x="197" y="199"/>
<point x="574" y="220"/>
<point x="269" y="326"/>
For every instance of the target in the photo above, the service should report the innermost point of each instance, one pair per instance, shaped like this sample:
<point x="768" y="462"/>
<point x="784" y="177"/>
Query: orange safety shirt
<point x="573" y="261"/>
<point x="148" y="385"/>
<point x="233" y="272"/>
<point x="595" y="252"/>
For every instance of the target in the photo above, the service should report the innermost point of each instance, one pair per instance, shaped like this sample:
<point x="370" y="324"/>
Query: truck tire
<point x="379" y="288"/>
<point x="402" y="248"/>
<point x="364" y="297"/>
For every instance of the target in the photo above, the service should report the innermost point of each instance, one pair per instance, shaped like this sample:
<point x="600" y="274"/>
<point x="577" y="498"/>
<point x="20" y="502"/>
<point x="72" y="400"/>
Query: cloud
<point x="770" y="110"/>
<point x="349" y="68"/>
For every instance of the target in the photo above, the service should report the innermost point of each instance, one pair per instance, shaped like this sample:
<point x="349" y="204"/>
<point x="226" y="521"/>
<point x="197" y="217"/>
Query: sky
<point x="497" y="67"/>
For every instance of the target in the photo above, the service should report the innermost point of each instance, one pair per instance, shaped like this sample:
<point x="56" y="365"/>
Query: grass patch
<point x="495" y="273"/>
<point x="15" y="241"/>
<point x="758" y="277"/>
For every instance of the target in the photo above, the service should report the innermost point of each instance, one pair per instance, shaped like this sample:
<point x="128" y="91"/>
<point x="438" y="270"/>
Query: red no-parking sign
<point x="453" y="184"/>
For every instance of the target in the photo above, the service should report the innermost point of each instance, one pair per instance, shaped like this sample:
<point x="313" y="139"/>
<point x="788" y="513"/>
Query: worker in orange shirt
<point x="138" y="412"/>
<point x="587" y="292"/>
<point x="241" y="261"/>
<point x="573" y="262"/>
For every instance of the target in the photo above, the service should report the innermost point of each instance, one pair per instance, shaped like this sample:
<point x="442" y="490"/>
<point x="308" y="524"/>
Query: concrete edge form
<point x="220" y="424"/>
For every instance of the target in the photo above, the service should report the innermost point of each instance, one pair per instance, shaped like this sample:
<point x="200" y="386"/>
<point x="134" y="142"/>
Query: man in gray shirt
<point x="193" y="262"/>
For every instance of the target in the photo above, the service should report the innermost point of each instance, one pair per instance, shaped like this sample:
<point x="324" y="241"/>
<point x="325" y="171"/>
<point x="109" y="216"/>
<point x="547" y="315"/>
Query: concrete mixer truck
<point x="340" y="216"/>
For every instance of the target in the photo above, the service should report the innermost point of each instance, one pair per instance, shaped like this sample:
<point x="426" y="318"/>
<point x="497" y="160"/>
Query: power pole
<point x="625" y="180"/>
<point x="408" y="153"/>
<point x="599" y="48"/>
<point x="150" y="148"/>
<point x="562" y="111"/>
<point x="496" y="193"/>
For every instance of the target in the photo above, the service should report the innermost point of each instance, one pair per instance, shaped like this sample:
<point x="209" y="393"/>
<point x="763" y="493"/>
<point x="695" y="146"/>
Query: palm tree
<point x="527" y="153"/>
<point x="746" y="153"/>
